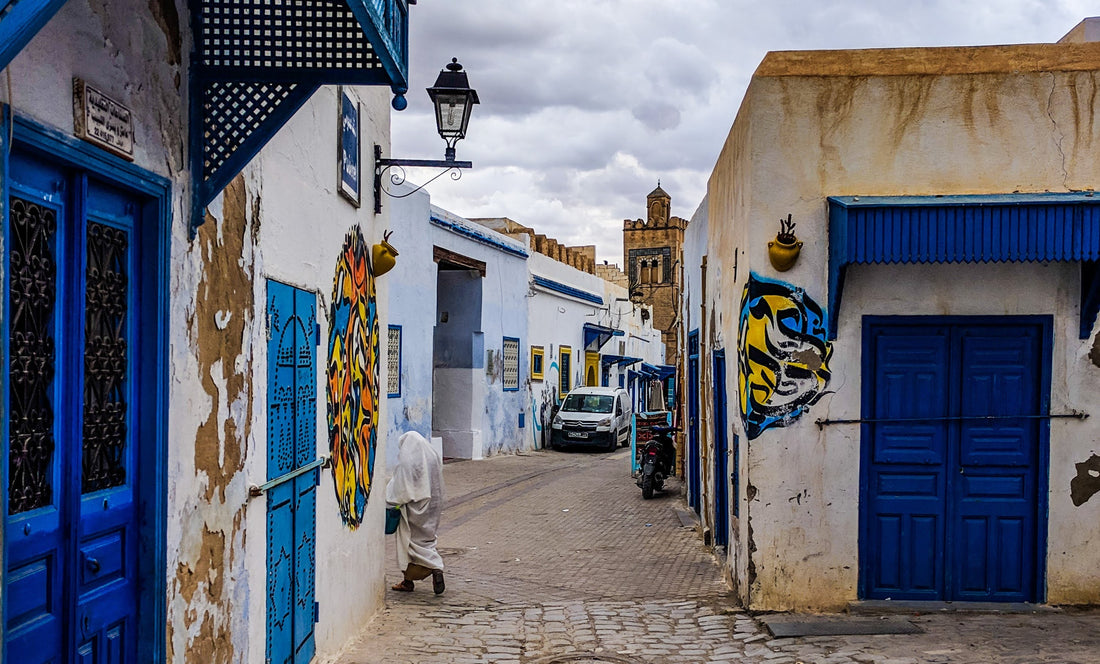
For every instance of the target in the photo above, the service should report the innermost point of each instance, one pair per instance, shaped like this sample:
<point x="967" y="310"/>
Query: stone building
<point x="651" y="254"/>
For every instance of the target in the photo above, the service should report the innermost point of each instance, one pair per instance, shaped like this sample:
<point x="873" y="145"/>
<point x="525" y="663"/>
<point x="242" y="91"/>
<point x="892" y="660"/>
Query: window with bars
<point x="537" y="354"/>
<point x="511" y="364"/>
<point x="393" y="361"/>
<point x="565" y="367"/>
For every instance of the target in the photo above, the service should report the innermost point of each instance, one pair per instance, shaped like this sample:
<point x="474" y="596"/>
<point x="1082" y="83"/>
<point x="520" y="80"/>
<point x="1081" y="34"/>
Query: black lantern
<point x="454" y="100"/>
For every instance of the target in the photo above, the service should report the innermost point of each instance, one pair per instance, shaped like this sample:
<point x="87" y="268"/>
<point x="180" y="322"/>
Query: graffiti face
<point x="783" y="363"/>
<point x="352" y="378"/>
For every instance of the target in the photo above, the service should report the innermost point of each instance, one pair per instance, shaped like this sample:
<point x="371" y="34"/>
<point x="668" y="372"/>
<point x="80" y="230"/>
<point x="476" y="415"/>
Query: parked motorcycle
<point x="656" y="460"/>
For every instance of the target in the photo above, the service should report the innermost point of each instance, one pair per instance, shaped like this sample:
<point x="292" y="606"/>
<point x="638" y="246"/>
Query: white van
<point x="593" y="416"/>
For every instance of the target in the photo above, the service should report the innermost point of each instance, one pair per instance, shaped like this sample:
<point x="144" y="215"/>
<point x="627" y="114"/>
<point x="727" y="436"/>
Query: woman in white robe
<point x="417" y="487"/>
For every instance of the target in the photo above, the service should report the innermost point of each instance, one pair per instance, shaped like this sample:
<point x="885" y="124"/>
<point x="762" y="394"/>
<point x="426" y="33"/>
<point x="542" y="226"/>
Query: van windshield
<point x="588" y="403"/>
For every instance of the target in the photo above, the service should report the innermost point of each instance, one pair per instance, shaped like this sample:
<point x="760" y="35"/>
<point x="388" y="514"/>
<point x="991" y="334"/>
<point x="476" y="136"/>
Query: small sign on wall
<point x="102" y="121"/>
<point x="349" y="146"/>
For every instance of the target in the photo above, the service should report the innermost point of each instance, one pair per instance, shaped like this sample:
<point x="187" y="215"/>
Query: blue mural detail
<point x="783" y="359"/>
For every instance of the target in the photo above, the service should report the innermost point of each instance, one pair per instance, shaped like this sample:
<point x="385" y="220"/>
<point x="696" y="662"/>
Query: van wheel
<point x="612" y="444"/>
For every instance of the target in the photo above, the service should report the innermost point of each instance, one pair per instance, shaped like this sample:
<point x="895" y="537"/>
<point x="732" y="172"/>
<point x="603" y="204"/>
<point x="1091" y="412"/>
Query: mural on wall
<point x="783" y="358"/>
<point x="352" y="378"/>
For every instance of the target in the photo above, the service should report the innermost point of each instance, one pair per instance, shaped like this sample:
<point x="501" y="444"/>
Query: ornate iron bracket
<point x="381" y="166"/>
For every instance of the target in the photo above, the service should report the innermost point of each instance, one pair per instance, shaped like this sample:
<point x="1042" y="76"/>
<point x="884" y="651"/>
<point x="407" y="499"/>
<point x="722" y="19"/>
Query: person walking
<point x="417" y="487"/>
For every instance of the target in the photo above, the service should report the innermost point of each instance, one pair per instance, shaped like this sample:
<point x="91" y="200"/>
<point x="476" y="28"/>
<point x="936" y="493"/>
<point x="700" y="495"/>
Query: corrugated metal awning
<point x="964" y="229"/>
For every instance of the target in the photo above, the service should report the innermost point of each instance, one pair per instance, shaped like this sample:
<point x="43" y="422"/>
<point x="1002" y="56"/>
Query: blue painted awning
<point x="619" y="360"/>
<point x="965" y="229"/>
<point x="658" y="371"/>
<point x="595" y="336"/>
<point x="255" y="64"/>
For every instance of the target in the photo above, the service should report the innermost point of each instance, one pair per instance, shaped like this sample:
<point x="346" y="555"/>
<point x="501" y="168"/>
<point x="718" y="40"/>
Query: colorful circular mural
<point x="352" y="378"/>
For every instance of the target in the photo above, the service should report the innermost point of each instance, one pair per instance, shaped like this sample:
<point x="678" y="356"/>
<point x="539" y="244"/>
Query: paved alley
<point x="555" y="557"/>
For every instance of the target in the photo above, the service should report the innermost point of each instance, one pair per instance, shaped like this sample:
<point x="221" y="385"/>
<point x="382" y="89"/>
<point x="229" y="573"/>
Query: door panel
<point x="693" y="457"/>
<point x="292" y="443"/>
<point x="950" y="502"/>
<point x="721" y="453"/>
<point x="71" y="584"/>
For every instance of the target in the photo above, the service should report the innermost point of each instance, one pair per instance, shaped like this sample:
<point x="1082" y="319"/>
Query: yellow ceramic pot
<point x="383" y="258"/>
<point x="783" y="254"/>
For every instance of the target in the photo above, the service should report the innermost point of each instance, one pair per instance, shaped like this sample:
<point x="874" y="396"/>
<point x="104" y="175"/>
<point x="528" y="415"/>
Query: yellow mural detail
<point x="352" y="378"/>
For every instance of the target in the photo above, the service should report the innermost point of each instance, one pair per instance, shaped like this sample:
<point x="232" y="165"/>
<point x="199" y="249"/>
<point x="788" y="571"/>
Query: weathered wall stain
<point x="1087" y="482"/>
<point x="164" y="13"/>
<point x="219" y="329"/>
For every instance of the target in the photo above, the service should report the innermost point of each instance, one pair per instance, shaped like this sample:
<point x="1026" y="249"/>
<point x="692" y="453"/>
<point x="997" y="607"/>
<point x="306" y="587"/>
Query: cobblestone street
<point x="555" y="557"/>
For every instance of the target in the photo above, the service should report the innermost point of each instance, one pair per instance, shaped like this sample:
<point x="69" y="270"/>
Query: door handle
<point x="93" y="565"/>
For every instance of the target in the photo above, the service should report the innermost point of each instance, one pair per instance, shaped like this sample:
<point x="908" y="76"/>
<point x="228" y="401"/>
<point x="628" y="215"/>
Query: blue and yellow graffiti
<point x="783" y="359"/>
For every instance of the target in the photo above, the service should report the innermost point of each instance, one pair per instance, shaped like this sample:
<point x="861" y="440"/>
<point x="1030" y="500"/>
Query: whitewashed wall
<point x="558" y="320"/>
<point x="1013" y="123"/>
<point x="283" y="220"/>
<point x="302" y="229"/>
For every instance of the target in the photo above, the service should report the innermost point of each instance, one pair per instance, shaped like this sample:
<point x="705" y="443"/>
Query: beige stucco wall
<point x="898" y="122"/>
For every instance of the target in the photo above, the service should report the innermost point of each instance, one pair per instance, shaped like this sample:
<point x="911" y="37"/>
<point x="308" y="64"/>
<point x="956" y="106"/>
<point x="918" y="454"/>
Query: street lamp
<point x="454" y="101"/>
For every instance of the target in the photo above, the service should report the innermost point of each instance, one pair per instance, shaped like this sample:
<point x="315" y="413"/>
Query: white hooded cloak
<point x="417" y="486"/>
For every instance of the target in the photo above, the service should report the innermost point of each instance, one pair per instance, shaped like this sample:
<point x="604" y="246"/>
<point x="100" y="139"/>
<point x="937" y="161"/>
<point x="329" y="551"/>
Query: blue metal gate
<point x="73" y="408"/>
<point x="693" y="420"/>
<point x="721" y="453"/>
<point x="292" y="444"/>
<point x="954" y="458"/>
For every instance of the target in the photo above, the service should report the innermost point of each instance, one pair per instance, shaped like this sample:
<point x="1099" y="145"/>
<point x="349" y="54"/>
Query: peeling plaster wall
<point x="280" y="218"/>
<point x="302" y="229"/>
<point x="912" y="122"/>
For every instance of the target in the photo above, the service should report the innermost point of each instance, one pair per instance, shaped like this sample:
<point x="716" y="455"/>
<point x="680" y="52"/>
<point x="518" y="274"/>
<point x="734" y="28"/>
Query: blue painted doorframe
<point x="721" y="452"/>
<point x="954" y="503"/>
<point x="693" y="457"/>
<point x="292" y="444"/>
<point x="84" y="561"/>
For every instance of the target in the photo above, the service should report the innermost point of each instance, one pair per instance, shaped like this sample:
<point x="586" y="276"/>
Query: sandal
<point x="405" y="586"/>
<point x="437" y="582"/>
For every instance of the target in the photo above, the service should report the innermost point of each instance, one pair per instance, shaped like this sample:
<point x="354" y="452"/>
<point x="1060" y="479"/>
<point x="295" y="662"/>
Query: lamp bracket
<point x="381" y="166"/>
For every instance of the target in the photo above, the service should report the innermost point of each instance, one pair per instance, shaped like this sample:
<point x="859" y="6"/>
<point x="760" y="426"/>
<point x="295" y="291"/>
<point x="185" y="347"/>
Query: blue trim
<point x="599" y="333"/>
<point x="962" y="229"/>
<point x="389" y="38"/>
<point x="476" y="236"/>
<point x="519" y="355"/>
<point x="620" y="360"/>
<point x="400" y="358"/>
<point x="1042" y="489"/>
<point x="22" y="22"/>
<point x="5" y="335"/>
<point x="152" y="249"/>
<point x="558" y="287"/>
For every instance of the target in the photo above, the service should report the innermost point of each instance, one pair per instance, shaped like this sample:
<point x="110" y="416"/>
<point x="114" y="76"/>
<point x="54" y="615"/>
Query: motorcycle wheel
<point x="647" y="486"/>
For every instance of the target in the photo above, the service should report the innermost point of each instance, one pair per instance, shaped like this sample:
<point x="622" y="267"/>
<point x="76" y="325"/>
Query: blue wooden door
<point x="951" y="488"/>
<point x="721" y="452"/>
<point x="71" y="580"/>
<point x="292" y="444"/>
<point x="693" y="420"/>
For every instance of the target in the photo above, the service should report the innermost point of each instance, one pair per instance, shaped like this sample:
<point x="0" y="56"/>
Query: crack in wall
<point x="1060" y="134"/>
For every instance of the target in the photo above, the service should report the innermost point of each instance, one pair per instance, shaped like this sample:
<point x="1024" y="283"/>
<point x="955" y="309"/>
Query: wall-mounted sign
<point x="349" y="146"/>
<point x="102" y="121"/>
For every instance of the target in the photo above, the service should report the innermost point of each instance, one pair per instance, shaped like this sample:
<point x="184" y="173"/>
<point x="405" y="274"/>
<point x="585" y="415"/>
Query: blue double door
<point x="292" y="445"/>
<point x="954" y="469"/>
<point x="74" y="414"/>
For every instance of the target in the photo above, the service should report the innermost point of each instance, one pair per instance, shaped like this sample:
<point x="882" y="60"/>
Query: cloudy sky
<point x="586" y="104"/>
